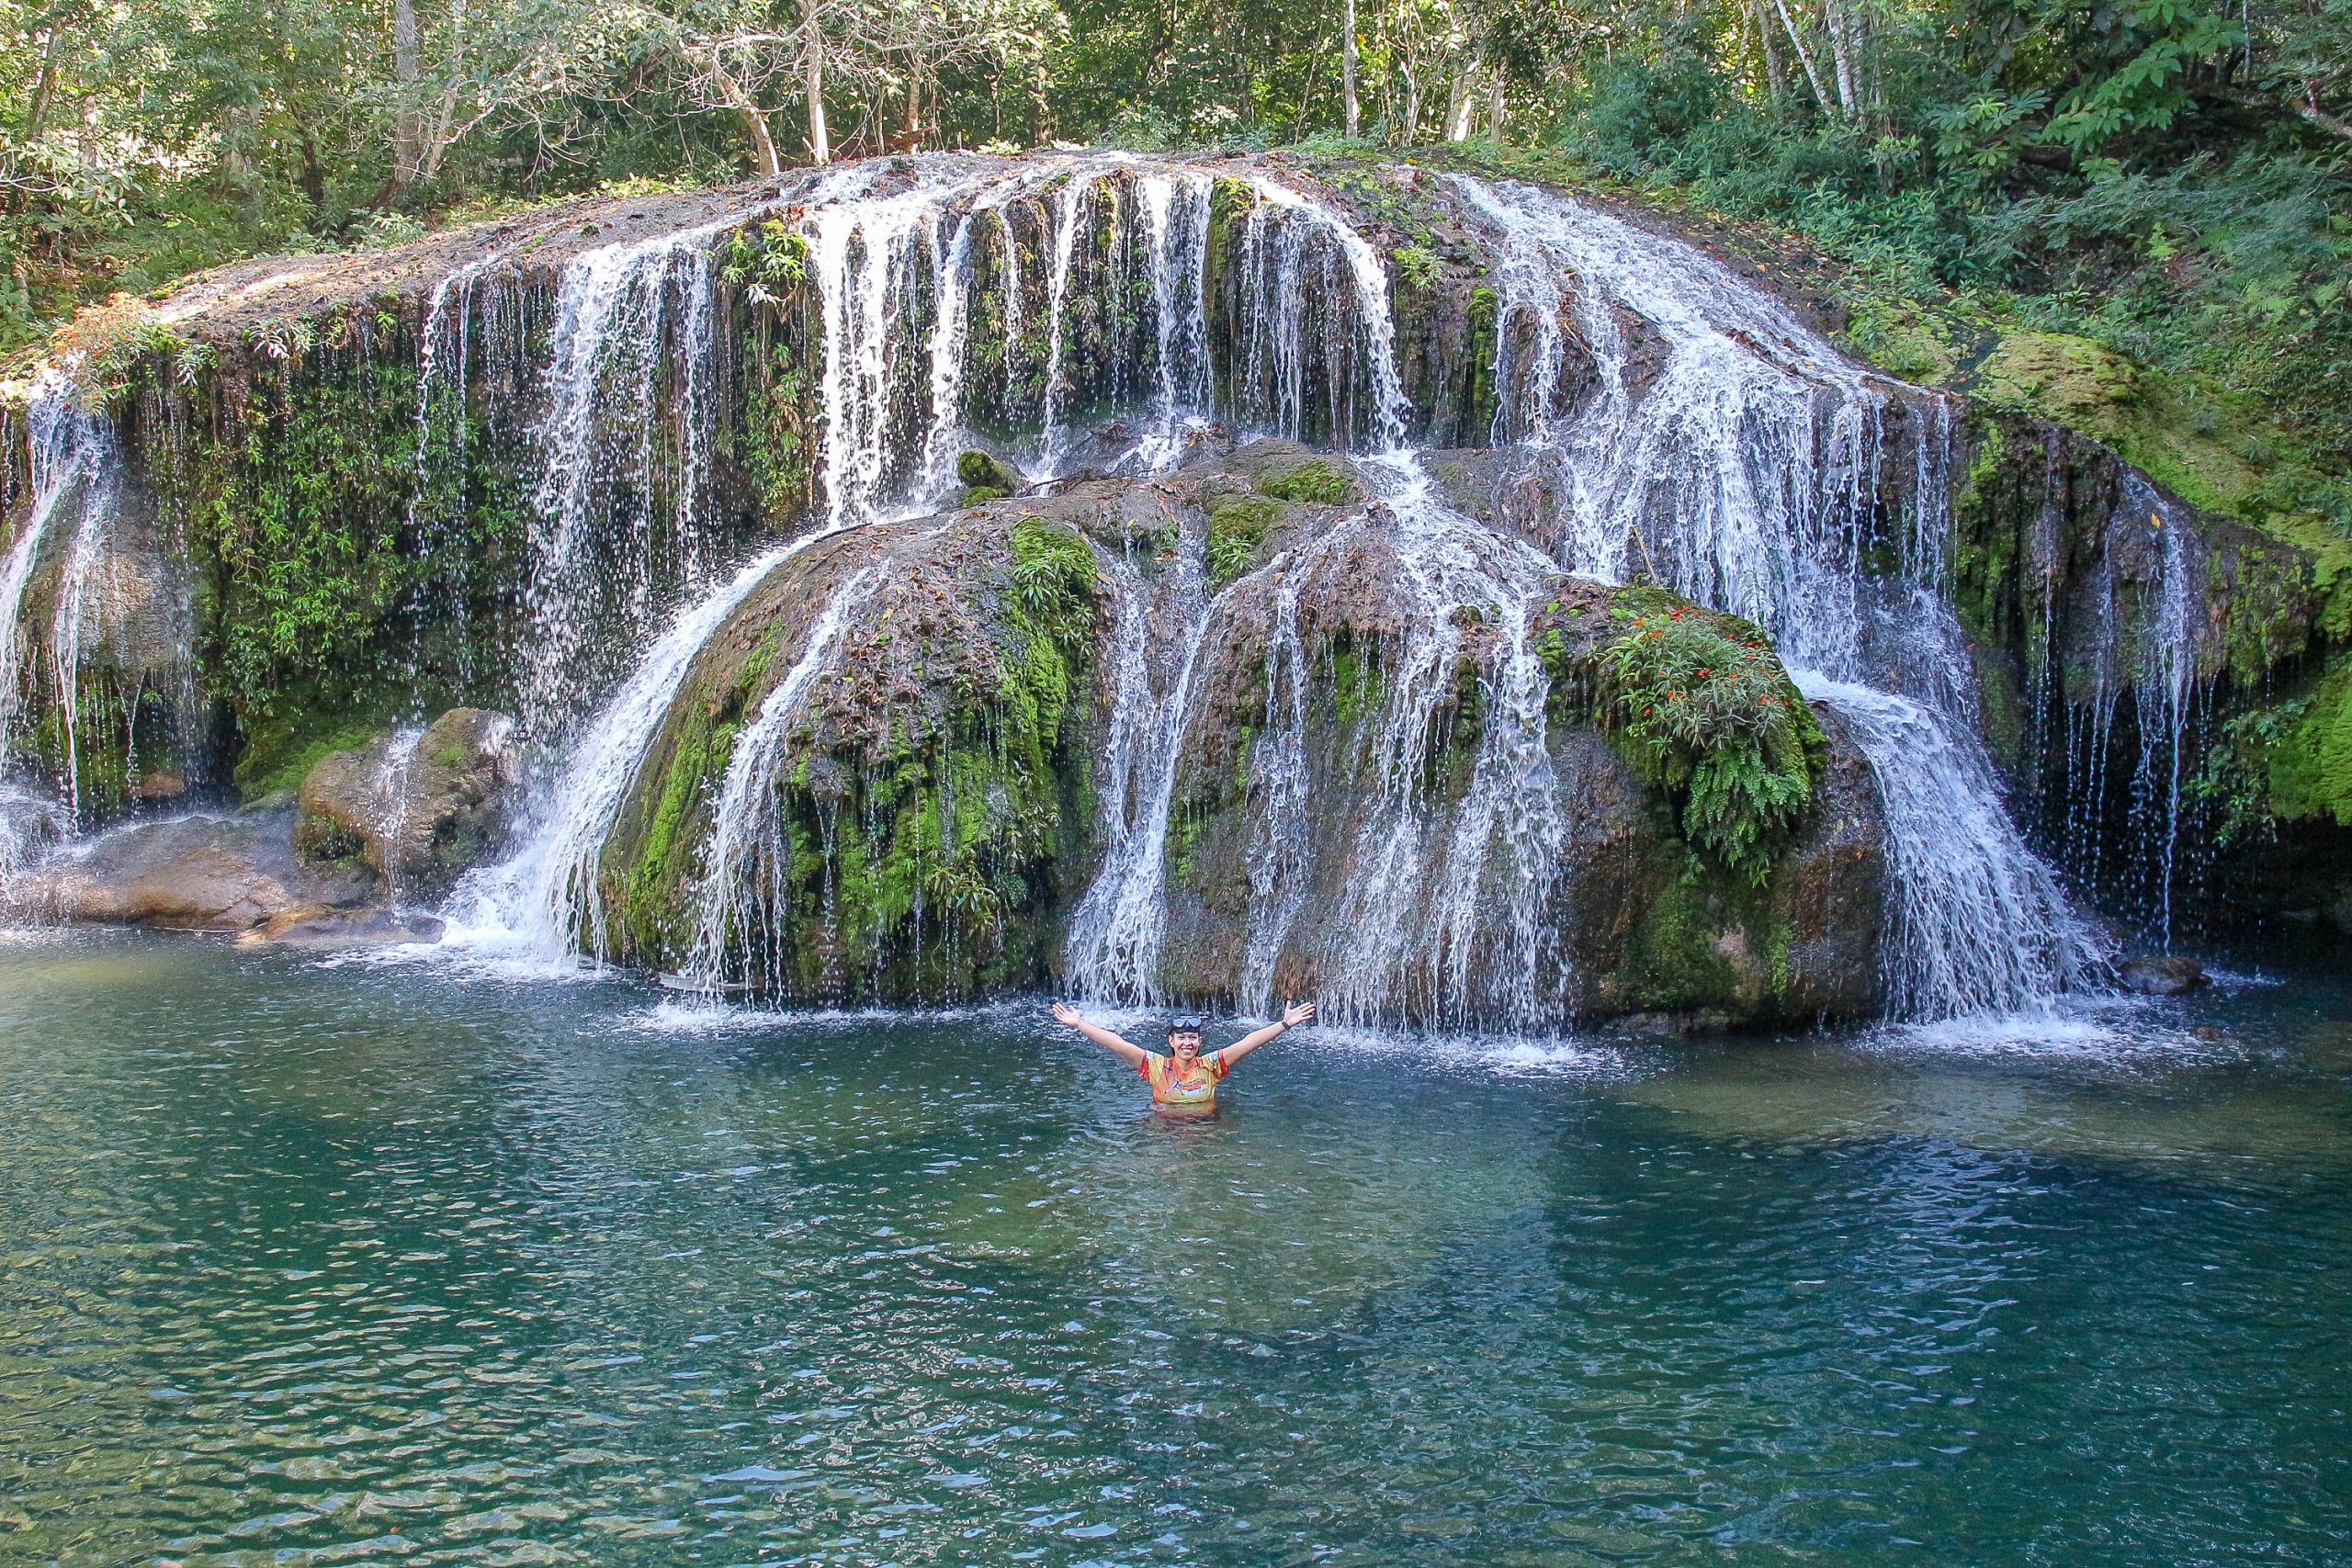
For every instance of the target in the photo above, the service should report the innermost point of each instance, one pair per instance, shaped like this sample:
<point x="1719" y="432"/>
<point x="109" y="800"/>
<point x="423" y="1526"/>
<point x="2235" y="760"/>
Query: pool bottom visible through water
<point x="311" y="1262"/>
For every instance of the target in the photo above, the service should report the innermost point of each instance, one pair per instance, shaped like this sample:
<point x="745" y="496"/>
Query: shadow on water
<point x="305" y="1263"/>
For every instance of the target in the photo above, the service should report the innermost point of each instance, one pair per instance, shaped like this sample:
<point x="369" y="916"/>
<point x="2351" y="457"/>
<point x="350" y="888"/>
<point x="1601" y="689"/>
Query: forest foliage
<point x="2167" y="177"/>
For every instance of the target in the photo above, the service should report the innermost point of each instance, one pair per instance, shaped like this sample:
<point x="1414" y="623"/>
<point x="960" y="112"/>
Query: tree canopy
<point x="2172" y="172"/>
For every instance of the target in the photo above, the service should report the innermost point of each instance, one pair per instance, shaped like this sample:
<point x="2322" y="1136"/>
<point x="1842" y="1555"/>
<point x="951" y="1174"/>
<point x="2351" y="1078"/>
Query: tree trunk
<point x="1353" y="111"/>
<point x="436" y="138"/>
<point x="1804" y="57"/>
<point x="1496" y="105"/>
<point x="1841" y="53"/>
<point x="1776" y="76"/>
<point x="820" y="146"/>
<point x="45" y="86"/>
<point x="1460" y="104"/>
<point x="408" y="148"/>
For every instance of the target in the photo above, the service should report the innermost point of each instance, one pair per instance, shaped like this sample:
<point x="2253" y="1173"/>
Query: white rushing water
<point x="1742" y="463"/>
<point x="543" y="902"/>
<point x="1746" y="467"/>
<point x="747" y="859"/>
<point x="1447" y="909"/>
<point x="75" y="474"/>
<point x="620" y="501"/>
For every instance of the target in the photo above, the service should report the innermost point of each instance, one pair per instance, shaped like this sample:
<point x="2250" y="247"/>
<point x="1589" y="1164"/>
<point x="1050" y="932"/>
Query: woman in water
<point x="1184" y="1079"/>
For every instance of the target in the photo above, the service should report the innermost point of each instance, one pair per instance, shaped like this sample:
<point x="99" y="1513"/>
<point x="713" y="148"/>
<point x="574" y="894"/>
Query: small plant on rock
<point x="1706" y="712"/>
<point x="1237" y="526"/>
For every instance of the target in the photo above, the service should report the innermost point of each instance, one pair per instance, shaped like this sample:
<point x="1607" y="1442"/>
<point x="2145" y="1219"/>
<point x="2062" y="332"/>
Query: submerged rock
<point x="2152" y="977"/>
<point x="419" y="807"/>
<point x="316" y="926"/>
<point x="212" y="874"/>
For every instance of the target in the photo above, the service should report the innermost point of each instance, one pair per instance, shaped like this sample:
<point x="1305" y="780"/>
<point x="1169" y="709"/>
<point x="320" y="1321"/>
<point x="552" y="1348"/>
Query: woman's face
<point x="1184" y="1048"/>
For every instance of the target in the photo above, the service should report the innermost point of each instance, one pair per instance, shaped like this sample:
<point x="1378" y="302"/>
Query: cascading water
<point x="1744" y="462"/>
<point x="1746" y="468"/>
<point x="618" y="518"/>
<point x="74" y="472"/>
<point x="544" y="900"/>
<point x="1115" y="932"/>
<point x="2164" y="689"/>
<point x="1415" y="920"/>
<point x="1176" y="223"/>
<point x="748" y="856"/>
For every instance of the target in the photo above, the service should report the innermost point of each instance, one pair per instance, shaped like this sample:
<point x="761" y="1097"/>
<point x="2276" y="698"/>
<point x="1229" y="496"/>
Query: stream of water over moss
<point x="302" y="1262"/>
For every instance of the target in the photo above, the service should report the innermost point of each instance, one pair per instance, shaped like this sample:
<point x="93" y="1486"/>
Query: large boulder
<point x="419" y="806"/>
<point x="210" y="873"/>
<point x="954" y="720"/>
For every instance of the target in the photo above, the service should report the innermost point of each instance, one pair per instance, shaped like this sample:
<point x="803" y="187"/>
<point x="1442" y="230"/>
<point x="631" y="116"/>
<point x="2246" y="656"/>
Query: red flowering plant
<point x="1701" y="703"/>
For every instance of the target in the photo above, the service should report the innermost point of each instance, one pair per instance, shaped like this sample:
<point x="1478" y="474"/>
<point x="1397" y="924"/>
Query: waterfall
<point x="543" y="899"/>
<point x="1062" y="240"/>
<point x="74" y="472"/>
<point x="1715" y="436"/>
<point x="1415" y="915"/>
<point x="2163" y="687"/>
<point x="1748" y="468"/>
<point x="1176" y="224"/>
<point x="1113" y="953"/>
<point x="1974" y="921"/>
<point x="603" y="544"/>
<point x="742" y="898"/>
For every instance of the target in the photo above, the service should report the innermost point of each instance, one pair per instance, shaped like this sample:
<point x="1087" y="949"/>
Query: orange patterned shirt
<point x="1195" y="1090"/>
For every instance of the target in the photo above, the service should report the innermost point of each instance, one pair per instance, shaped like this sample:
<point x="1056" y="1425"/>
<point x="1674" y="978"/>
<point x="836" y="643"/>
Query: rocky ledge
<point x="930" y="717"/>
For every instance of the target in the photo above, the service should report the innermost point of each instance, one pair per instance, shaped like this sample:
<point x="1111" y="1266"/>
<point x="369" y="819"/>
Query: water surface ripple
<point x="307" y="1264"/>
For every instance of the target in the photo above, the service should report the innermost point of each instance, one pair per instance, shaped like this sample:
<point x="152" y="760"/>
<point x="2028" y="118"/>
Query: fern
<point x="1707" y="713"/>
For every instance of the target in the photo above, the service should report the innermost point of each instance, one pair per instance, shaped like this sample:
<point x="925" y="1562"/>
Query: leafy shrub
<point x="1707" y="713"/>
<point x="1416" y="266"/>
<point x="103" y="343"/>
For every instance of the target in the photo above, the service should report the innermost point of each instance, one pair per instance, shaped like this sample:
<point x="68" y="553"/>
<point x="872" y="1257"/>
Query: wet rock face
<point x="951" y="776"/>
<point x="418" y="809"/>
<point x="209" y="873"/>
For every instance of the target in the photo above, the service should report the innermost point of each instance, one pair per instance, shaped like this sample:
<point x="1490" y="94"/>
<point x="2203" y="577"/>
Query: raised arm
<point x="1065" y="1013"/>
<point x="1291" y="1017"/>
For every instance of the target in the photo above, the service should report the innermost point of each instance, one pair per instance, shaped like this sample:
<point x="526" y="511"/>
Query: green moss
<point x="2310" y="760"/>
<point x="1898" y="336"/>
<point x="1481" y="323"/>
<point x="1672" y="961"/>
<point x="980" y="471"/>
<point x="2211" y="446"/>
<point x="1356" y="681"/>
<point x="1317" y="480"/>
<point x="1237" y="528"/>
<point x="281" y="749"/>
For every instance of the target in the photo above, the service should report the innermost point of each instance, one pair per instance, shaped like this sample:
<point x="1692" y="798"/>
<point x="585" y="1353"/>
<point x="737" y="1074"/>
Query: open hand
<point x="1065" y="1013"/>
<point x="1296" y="1014"/>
